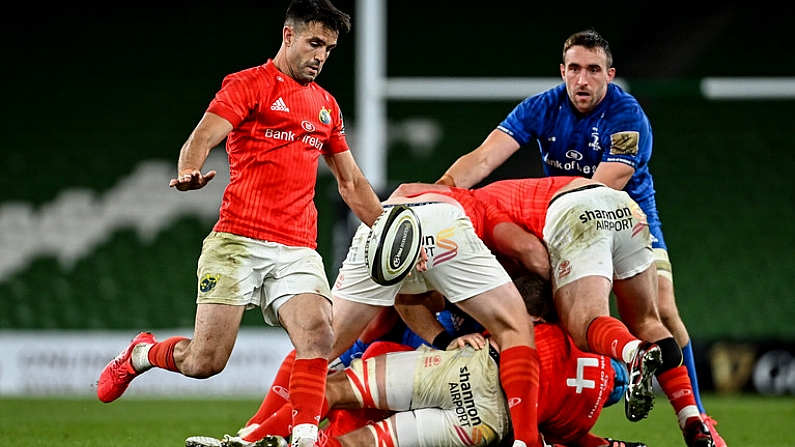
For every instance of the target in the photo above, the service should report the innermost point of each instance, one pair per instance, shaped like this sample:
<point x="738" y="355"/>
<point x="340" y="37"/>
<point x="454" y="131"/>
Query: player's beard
<point x="311" y="72"/>
<point x="586" y="104"/>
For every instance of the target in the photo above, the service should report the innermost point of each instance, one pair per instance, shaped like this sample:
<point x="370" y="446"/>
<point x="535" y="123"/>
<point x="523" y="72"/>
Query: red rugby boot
<point x="118" y="374"/>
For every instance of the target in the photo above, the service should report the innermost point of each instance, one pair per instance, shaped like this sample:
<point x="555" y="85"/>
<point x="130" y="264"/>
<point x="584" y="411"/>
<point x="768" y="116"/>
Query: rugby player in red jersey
<point x="277" y="123"/>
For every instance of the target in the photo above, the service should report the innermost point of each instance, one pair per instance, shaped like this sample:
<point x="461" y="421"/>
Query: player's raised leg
<point x="201" y="357"/>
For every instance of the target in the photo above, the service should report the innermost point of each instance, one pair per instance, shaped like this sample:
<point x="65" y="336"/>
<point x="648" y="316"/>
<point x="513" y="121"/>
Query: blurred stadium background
<point x="99" y="99"/>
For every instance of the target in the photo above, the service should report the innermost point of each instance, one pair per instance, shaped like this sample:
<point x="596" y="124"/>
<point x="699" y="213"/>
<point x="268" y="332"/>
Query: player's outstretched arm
<point x="408" y="189"/>
<point x="613" y="174"/>
<point x="354" y="188"/>
<point x="473" y="167"/>
<point x="192" y="179"/>
<point x="209" y="133"/>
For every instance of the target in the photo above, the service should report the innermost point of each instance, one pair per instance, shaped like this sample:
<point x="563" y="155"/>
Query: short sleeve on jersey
<point x="624" y="148"/>
<point x="520" y="121"/>
<point x="628" y="134"/>
<point x="337" y="142"/>
<point x="236" y="98"/>
<point x="525" y="121"/>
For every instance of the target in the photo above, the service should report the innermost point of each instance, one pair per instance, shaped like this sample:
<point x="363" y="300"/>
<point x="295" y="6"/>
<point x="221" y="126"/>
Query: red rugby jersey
<point x="573" y="386"/>
<point x="524" y="200"/>
<point x="281" y="127"/>
<point x="484" y="215"/>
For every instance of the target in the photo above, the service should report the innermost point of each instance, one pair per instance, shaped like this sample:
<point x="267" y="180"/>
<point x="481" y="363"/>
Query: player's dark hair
<point x="589" y="39"/>
<point x="537" y="295"/>
<point x="321" y="11"/>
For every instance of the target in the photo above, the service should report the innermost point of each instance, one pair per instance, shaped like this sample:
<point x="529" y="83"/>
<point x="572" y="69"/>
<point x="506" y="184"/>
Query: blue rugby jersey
<point x="573" y="144"/>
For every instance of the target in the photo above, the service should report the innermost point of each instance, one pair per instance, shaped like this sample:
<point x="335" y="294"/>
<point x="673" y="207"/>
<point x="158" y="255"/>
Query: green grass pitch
<point x="745" y="421"/>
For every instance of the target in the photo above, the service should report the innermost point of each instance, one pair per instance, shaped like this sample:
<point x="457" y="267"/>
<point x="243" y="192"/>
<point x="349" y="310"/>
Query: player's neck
<point x="281" y="63"/>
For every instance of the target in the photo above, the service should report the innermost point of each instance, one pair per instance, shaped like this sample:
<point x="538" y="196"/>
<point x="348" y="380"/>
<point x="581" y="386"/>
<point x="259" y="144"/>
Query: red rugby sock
<point x="675" y="383"/>
<point x="519" y="370"/>
<point x="161" y="354"/>
<point x="608" y="336"/>
<point x="277" y="395"/>
<point x="308" y="389"/>
<point x="279" y="423"/>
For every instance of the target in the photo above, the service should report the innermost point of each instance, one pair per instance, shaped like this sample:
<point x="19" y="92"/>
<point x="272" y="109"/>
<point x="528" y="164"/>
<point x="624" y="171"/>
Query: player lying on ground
<point x="453" y="397"/>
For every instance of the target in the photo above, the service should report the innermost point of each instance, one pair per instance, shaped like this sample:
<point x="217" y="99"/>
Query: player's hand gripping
<point x="192" y="179"/>
<point x="422" y="260"/>
<point x="475" y="340"/>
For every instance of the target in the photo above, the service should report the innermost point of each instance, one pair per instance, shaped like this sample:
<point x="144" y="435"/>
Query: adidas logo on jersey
<point x="279" y="105"/>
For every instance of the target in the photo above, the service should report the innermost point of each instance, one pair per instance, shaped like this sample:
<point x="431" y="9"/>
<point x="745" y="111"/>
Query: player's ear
<point x="611" y="74"/>
<point x="288" y="33"/>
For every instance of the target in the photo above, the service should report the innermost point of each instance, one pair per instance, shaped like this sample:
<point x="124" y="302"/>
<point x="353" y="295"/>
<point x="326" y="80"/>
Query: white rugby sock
<point x="140" y="357"/>
<point x="629" y="350"/>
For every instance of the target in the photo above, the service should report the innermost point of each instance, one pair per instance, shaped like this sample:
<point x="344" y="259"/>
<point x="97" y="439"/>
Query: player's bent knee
<point x="317" y="342"/>
<point x="203" y="371"/>
<point x="203" y="367"/>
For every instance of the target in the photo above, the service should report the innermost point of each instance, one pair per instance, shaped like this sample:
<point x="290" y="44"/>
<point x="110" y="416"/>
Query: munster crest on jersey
<point x="325" y="116"/>
<point x="624" y="143"/>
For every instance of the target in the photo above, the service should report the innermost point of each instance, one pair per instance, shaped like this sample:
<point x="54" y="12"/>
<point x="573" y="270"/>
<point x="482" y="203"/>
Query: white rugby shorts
<point x="452" y="398"/>
<point x="460" y="265"/>
<point x="596" y="231"/>
<point x="241" y="271"/>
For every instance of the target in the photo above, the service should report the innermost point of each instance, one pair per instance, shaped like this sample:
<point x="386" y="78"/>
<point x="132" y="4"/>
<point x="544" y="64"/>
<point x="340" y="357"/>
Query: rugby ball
<point x="393" y="245"/>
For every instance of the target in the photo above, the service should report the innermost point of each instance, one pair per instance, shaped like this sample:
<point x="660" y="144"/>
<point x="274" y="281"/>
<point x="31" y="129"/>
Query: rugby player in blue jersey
<point x="588" y="126"/>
